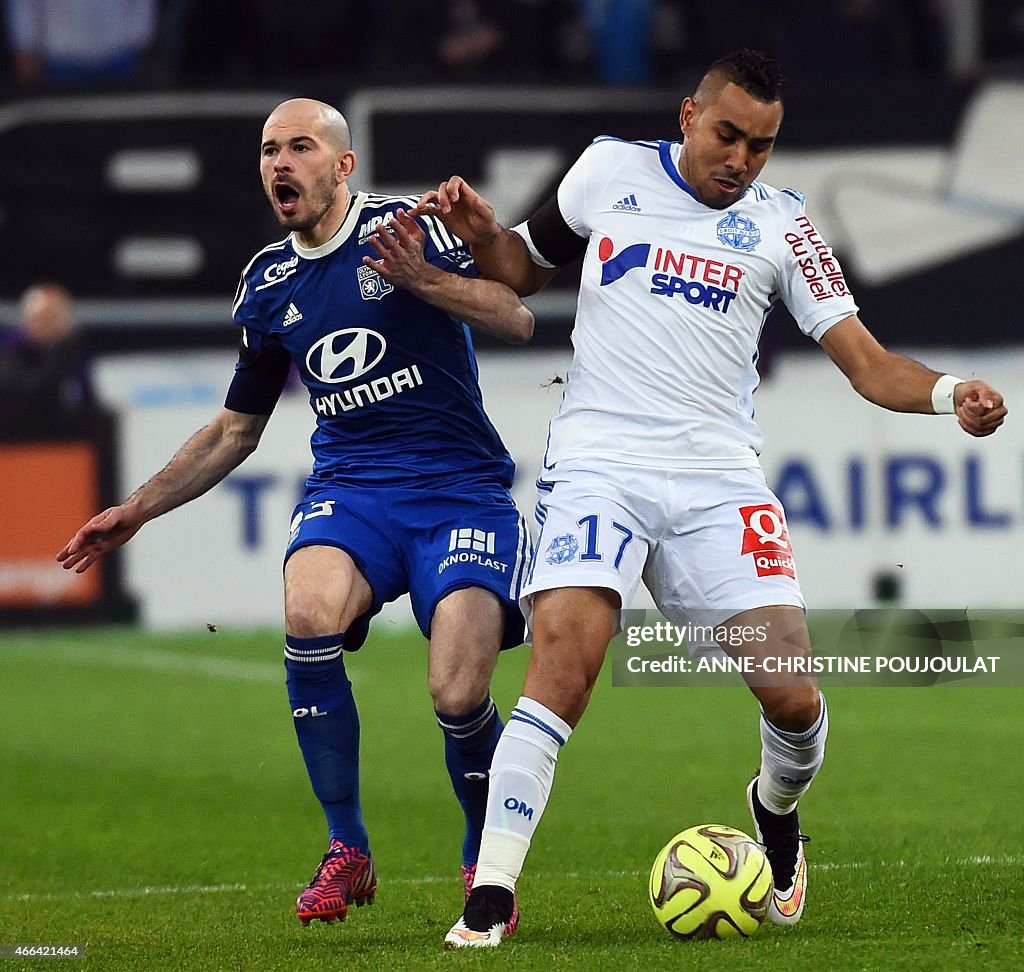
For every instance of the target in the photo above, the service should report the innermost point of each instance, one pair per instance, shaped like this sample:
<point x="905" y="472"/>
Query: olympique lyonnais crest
<point x="739" y="232"/>
<point x="372" y="286"/>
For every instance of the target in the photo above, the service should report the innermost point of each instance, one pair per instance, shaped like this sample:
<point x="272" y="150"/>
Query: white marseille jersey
<point x="672" y="300"/>
<point x="392" y="380"/>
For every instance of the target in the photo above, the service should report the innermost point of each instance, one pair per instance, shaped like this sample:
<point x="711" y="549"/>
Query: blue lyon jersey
<point x="392" y="380"/>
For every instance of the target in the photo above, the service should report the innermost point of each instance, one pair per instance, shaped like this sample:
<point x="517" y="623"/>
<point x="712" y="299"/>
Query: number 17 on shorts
<point x="589" y="542"/>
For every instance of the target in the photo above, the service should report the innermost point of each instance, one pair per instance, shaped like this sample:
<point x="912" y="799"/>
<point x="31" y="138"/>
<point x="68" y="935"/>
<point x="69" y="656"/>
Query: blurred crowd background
<point x="161" y="203"/>
<point x="60" y="43"/>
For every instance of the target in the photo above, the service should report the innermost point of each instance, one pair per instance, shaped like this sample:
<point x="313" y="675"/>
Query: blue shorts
<point x="421" y="542"/>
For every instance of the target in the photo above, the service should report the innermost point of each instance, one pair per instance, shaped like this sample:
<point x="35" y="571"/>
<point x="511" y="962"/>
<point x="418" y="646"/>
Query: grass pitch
<point x="155" y="808"/>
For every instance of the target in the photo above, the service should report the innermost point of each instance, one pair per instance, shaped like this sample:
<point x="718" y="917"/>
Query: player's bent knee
<point x="324" y="591"/>
<point x="794" y="710"/>
<point x="309" y="617"/>
<point x="561" y="684"/>
<point x="458" y="699"/>
<point x="311" y="612"/>
<point x="569" y="665"/>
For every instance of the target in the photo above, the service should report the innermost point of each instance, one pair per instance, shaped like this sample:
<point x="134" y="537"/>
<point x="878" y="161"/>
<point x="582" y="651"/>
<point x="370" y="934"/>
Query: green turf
<point x="154" y="806"/>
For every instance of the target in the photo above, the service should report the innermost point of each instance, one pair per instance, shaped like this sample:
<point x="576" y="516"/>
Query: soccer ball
<point x="711" y="882"/>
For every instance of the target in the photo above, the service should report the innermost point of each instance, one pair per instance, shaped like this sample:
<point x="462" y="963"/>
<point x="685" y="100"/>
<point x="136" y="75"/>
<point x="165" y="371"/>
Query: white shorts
<point x="708" y="543"/>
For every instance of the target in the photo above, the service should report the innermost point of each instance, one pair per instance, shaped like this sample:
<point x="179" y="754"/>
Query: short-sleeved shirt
<point x="673" y="297"/>
<point x="392" y="380"/>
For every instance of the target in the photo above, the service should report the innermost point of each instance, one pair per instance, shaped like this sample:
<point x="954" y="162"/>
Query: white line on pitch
<point x="158" y="660"/>
<point x="152" y="659"/>
<point x="1005" y="860"/>
<point x="165" y="890"/>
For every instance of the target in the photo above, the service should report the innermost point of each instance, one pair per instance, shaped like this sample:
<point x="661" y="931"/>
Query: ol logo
<point x="372" y="286"/>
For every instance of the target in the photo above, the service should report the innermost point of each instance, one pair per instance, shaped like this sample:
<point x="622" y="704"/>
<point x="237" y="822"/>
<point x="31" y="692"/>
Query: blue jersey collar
<point x="671" y="168"/>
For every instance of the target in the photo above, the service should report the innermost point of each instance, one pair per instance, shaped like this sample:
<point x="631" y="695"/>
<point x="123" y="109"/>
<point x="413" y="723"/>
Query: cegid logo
<point x="345" y="355"/>
<point x="766" y="537"/>
<point x="277" y="272"/>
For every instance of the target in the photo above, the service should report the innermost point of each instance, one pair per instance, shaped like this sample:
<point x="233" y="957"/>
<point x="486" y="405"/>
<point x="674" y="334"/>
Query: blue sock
<point x="469" y="742"/>
<point x="327" y="725"/>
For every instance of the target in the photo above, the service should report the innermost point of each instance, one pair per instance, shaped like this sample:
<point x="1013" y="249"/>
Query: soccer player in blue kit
<point x="409" y="490"/>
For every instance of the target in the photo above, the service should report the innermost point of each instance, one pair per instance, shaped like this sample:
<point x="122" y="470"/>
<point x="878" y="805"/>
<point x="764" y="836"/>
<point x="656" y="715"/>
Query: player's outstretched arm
<point x="904" y="385"/>
<point x="199" y="464"/>
<point x="488" y="305"/>
<point x="499" y="253"/>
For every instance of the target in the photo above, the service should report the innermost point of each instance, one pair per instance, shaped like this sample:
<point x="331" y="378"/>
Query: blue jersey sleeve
<point x="259" y="379"/>
<point x="262" y="366"/>
<point x="445" y="250"/>
<point x="243" y="308"/>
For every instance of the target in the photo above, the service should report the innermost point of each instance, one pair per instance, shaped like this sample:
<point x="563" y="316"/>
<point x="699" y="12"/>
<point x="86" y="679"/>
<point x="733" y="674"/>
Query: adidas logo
<point x="292" y="316"/>
<point x="627" y="205"/>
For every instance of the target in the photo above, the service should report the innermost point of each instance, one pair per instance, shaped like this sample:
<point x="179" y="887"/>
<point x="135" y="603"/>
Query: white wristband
<point x="942" y="395"/>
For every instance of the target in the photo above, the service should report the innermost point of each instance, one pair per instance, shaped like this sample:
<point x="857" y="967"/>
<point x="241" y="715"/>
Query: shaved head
<point x="323" y="119"/>
<point x="306" y="159"/>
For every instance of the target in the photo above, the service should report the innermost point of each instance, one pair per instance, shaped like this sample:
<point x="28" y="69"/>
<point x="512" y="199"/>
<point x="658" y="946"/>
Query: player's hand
<point x="979" y="407"/>
<point x="103" y="532"/>
<point x="462" y="210"/>
<point x="399" y="246"/>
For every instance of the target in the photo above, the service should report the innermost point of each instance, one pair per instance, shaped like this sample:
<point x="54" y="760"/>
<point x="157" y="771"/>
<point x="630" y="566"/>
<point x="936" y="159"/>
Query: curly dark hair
<point x="755" y="72"/>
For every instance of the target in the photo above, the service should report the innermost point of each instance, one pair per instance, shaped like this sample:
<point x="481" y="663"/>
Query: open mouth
<point x="727" y="185"/>
<point x="287" y="197"/>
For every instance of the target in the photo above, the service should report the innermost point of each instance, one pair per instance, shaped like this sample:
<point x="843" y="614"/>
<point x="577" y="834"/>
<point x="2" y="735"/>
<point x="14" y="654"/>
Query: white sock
<point x="522" y="772"/>
<point x="789" y="762"/>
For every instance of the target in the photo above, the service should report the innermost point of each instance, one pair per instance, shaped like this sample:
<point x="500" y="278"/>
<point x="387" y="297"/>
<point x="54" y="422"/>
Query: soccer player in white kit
<point x="652" y="468"/>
